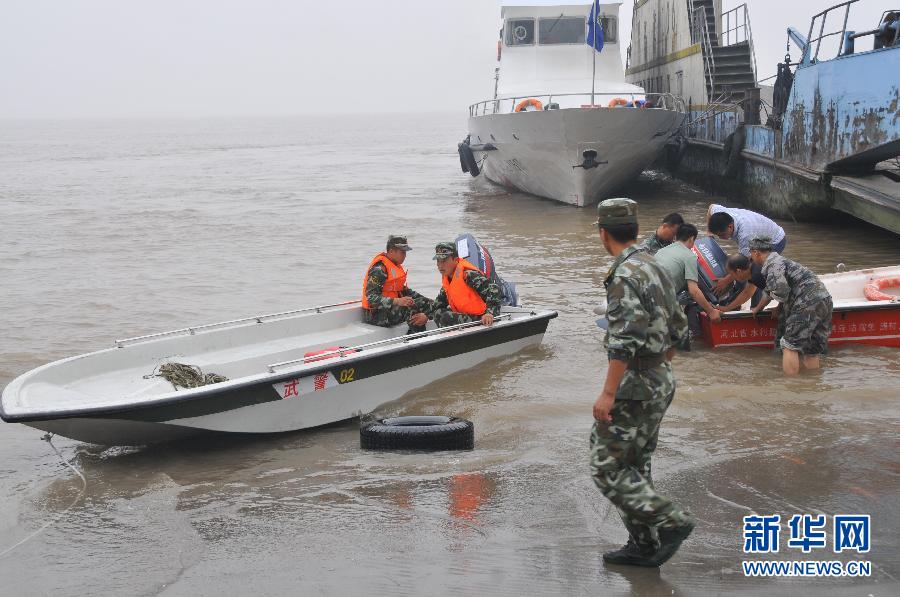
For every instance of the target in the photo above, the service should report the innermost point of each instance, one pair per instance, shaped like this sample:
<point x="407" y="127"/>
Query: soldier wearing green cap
<point x="387" y="300"/>
<point x="466" y="293"/>
<point x="645" y="325"/>
<point x="664" y="235"/>
<point x="804" y="303"/>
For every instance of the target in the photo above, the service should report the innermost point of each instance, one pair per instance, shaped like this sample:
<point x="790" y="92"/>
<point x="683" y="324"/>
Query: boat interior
<point x="847" y="289"/>
<point x="237" y="350"/>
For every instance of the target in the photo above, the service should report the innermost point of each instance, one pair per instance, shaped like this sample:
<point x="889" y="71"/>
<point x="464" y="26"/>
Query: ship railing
<point x="700" y="34"/>
<point x="190" y="331"/>
<point x="737" y="30"/>
<point x="653" y="101"/>
<point x="815" y="43"/>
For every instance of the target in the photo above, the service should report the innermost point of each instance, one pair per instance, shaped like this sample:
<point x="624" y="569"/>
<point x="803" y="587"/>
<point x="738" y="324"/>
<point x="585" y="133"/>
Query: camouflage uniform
<point x="644" y="321"/>
<point x="488" y="291"/>
<point x="386" y="313"/>
<point x="806" y="306"/>
<point x="652" y="244"/>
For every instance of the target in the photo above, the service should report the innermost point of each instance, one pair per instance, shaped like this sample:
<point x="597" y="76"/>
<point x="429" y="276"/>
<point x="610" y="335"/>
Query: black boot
<point x="632" y="554"/>
<point x="670" y="540"/>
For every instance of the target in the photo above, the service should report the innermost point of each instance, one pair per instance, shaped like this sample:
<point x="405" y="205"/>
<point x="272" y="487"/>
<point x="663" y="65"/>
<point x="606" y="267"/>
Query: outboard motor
<point x="469" y="249"/>
<point x="711" y="266"/>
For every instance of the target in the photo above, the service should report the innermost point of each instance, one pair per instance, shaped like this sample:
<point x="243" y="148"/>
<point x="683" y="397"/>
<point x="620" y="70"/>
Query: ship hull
<point x="541" y="153"/>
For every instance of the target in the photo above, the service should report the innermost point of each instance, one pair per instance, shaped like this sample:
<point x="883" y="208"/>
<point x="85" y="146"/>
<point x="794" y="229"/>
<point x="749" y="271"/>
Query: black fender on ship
<point x="467" y="160"/>
<point x="418" y="433"/>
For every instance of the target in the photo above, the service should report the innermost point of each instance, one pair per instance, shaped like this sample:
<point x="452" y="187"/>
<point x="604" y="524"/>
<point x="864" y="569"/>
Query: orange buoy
<point x="529" y="102"/>
<point x="618" y="102"/>
<point x="873" y="289"/>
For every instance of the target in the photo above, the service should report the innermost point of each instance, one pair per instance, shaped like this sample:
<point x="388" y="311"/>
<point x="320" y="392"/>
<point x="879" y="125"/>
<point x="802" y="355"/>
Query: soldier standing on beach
<point x="386" y="298"/>
<point x="645" y="325"/>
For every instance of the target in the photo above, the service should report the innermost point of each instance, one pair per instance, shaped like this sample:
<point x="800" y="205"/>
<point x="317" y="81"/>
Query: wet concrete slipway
<point x="114" y="229"/>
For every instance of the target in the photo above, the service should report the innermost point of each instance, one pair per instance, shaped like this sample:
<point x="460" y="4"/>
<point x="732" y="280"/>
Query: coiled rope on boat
<point x="187" y="376"/>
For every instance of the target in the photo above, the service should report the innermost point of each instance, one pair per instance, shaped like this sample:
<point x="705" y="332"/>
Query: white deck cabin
<point x="544" y="51"/>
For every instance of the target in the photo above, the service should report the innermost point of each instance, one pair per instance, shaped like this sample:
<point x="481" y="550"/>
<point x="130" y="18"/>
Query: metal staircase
<point x="728" y="57"/>
<point x="733" y="71"/>
<point x="708" y="19"/>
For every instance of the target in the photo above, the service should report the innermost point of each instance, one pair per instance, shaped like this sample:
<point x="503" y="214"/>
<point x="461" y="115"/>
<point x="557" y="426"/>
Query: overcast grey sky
<point x="131" y="58"/>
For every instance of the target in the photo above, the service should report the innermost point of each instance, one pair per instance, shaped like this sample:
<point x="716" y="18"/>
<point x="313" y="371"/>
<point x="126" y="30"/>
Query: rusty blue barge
<point x="831" y="138"/>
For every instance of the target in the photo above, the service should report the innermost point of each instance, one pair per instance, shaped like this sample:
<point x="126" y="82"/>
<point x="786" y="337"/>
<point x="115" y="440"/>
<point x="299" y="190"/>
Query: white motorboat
<point x="563" y="123"/>
<point x="285" y="371"/>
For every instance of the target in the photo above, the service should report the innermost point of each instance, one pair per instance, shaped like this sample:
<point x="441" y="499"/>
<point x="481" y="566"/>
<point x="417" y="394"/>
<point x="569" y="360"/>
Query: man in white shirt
<point x="741" y="225"/>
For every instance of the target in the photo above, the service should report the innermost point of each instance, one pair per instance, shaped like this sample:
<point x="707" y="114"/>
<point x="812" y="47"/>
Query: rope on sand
<point x="47" y="438"/>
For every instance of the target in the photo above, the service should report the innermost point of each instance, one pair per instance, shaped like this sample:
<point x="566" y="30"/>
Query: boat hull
<point x="316" y="394"/>
<point x="878" y="326"/>
<point x="116" y="432"/>
<point x="540" y="152"/>
<point x="855" y="319"/>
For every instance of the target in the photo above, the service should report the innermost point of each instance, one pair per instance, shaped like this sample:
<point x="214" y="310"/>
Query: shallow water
<point x="119" y="228"/>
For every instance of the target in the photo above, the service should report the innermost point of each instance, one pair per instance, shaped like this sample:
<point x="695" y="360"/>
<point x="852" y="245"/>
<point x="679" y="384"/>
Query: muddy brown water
<point x="119" y="228"/>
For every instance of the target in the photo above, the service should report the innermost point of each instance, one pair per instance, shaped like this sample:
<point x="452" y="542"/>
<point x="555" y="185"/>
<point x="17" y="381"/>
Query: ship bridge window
<point x="562" y="30"/>
<point x="610" y="29"/>
<point x="520" y="32"/>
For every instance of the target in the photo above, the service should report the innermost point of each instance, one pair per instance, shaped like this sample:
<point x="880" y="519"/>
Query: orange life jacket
<point x="461" y="296"/>
<point x="393" y="286"/>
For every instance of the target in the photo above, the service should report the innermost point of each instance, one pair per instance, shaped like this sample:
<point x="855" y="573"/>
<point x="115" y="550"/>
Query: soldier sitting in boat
<point x="664" y="234"/>
<point x="466" y="293"/>
<point x="386" y="298"/>
<point x="805" y="301"/>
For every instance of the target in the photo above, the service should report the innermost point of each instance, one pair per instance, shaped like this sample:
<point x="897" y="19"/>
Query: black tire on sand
<point x="418" y="433"/>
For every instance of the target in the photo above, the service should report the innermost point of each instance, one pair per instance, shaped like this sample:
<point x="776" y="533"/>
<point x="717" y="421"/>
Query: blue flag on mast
<point x="595" y="28"/>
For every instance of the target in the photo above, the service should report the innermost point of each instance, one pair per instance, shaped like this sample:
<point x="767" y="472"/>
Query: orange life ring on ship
<point x="873" y="292"/>
<point x="618" y="102"/>
<point x="529" y="102"/>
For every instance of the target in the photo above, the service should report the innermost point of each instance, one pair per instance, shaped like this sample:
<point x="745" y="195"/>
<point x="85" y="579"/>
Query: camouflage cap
<point x="613" y="212"/>
<point x="760" y="243"/>
<point x="444" y="250"/>
<point x="398" y="242"/>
